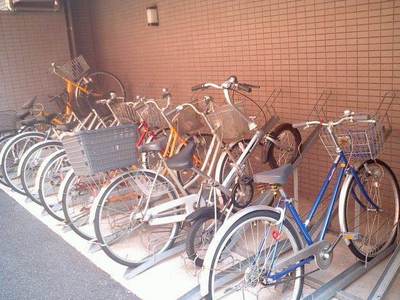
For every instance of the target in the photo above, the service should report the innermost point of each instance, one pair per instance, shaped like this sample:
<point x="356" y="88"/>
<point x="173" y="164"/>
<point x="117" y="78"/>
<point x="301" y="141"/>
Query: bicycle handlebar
<point x="230" y="84"/>
<point x="348" y="117"/>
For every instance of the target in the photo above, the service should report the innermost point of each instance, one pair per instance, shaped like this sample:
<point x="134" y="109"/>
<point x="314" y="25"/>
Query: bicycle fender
<point x="63" y="185"/>
<point x="342" y="199"/>
<point x="18" y="136"/>
<point x="212" y="248"/>
<point x="43" y="165"/>
<point x="37" y="145"/>
<point x="200" y="213"/>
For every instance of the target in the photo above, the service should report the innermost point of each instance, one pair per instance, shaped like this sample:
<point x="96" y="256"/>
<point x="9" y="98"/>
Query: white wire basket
<point x="359" y="141"/>
<point x="228" y="121"/>
<point x="152" y="116"/>
<point x="125" y="112"/>
<point x="188" y="121"/>
<point x="74" y="69"/>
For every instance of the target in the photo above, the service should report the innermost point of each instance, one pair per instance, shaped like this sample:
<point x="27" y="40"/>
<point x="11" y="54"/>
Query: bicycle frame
<point x="339" y="162"/>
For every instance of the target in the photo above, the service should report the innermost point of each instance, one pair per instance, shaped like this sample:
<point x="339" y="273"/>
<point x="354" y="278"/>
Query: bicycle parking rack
<point x="386" y="279"/>
<point x="334" y="287"/>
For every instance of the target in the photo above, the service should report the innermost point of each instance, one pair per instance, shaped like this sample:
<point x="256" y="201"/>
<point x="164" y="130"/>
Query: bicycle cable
<point x="248" y="98"/>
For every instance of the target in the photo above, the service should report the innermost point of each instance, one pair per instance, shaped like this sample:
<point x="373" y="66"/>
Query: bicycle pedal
<point x="351" y="236"/>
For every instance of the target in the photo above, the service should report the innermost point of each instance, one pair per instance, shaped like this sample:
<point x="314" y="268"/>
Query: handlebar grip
<point x="300" y="125"/>
<point x="244" y="87"/>
<point x="198" y="87"/>
<point x="102" y="101"/>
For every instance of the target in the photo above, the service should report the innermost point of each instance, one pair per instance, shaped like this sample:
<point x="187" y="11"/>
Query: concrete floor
<point x="158" y="283"/>
<point x="35" y="263"/>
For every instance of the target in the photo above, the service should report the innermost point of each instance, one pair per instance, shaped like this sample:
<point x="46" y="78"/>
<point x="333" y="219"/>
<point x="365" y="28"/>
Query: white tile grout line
<point x="169" y="287"/>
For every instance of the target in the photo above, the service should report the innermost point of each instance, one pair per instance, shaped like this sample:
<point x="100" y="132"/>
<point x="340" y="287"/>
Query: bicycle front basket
<point x="74" y="69"/>
<point x="100" y="150"/>
<point x="359" y="141"/>
<point x="226" y="119"/>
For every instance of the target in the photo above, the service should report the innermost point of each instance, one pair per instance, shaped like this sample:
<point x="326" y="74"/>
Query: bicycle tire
<point x="272" y="148"/>
<point x="107" y="243"/>
<point x="253" y="165"/>
<point x="81" y="109"/>
<point x="345" y="210"/>
<point x="78" y="194"/>
<point x="3" y="141"/>
<point x="192" y="249"/>
<point x="26" y="161"/>
<point x="54" y="210"/>
<point x="8" y="162"/>
<point x="227" y="238"/>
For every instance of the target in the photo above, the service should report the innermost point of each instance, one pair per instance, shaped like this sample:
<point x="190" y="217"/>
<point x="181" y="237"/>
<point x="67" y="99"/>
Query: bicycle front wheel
<point x="78" y="195"/>
<point x="374" y="229"/>
<point x="243" y="263"/>
<point x="3" y="141"/>
<point x="199" y="237"/>
<point x="286" y="146"/>
<point x="120" y="227"/>
<point x="11" y="155"/>
<point x="50" y="175"/>
<point x="30" y="164"/>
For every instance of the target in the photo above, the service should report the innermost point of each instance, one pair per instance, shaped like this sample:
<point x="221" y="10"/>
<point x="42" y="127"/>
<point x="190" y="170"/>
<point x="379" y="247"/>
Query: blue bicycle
<point x="262" y="251"/>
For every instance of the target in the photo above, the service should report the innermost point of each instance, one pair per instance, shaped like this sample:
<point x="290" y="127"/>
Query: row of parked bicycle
<point x="137" y="177"/>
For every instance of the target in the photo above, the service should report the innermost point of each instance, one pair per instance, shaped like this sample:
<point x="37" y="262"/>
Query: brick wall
<point x="29" y="42"/>
<point x="303" y="47"/>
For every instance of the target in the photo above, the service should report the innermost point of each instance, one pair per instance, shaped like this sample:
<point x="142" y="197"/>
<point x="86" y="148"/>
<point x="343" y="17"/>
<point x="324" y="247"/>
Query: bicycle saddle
<point x="155" y="146"/>
<point x="67" y="126"/>
<point x="33" y="121"/>
<point x="29" y="104"/>
<point x="184" y="159"/>
<point x="37" y="120"/>
<point x="275" y="176"/>
<point x="22" y="115"/>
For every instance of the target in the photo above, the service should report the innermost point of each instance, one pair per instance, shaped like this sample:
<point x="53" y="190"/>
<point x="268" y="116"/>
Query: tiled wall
<point x="303" y="47"/>
<point x="29" y="42"/>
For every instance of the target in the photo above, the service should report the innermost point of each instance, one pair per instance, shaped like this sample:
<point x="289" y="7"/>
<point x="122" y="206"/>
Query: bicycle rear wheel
<point x="375" y="229"/>
<point x="125" y="237"/>
<point x="245" y="256"/>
